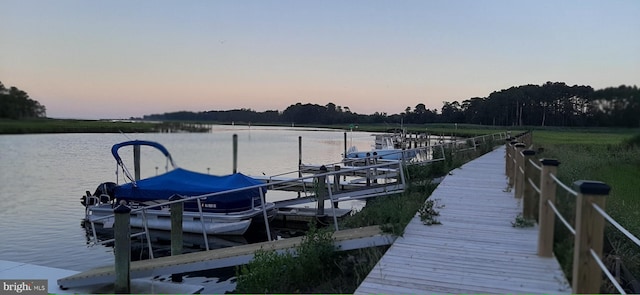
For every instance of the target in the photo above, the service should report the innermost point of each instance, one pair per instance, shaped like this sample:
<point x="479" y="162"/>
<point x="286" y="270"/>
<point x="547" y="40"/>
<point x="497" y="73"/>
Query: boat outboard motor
<point x="106" y="192"/>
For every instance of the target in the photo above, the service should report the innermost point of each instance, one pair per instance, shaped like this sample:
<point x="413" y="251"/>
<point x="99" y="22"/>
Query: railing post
<point x="367" y="162"/>
<point x="512" y="162"/>
<point x="122" y="249"/>
<point x="345" y="145"/>
<point x="374" y="161"/>
<point x="336" y="182"/>
<point x="507" y="156"/>
<point x="177" y="210"/>
<point x="587" y="275"/>
<point x="546" y="216"/>
<point x="528" y="202"/>
<point x="321" y="190"/>
<point x="517" y="176"/>
<point x="523" y="138"/>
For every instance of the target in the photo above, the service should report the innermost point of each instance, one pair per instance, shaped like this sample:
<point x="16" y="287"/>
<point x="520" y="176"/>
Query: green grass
<point x="610" y="157"/>
<point x="462" y="130"/>
<point x="314" y="267"/>
<point x="392" y="212"/>
<point x="45" y="125"/>
<point x="586" y="137"/>
<point x="71" y="126"/>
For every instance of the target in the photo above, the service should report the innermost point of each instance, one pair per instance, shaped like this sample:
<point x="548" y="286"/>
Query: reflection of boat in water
<point x="384" y="148"/>
<point x="228" y="204"/>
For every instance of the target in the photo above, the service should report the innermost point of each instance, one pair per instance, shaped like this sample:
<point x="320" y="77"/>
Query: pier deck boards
<point x="345" y="240"/>
<point x="475" y="249"/>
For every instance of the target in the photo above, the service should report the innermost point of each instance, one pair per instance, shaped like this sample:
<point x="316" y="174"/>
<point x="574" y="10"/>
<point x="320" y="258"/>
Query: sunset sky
<point x="118" y="59"/>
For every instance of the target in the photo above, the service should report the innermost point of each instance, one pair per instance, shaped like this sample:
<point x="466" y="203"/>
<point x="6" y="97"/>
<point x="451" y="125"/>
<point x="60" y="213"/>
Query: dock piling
<point x="336" y="182"/>
<point x="367" y="162"/>
<point x="235" y="153"/>
<point x="345" y="145"/>
<point x="177" y="210"/>
<point x="122" y="248"/>
<point x="321" y="190"/>
<point x="300" y="158"/>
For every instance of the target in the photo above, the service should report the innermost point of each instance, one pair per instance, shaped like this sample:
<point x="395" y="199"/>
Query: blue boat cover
<point x="189" y="184"/>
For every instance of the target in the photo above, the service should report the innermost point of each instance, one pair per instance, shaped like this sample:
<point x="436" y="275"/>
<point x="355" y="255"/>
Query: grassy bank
<point x="46" y="125"/>
<point x="611" y="157"/>
<point x="461" y="130"/>
<point x="71" y="126"/>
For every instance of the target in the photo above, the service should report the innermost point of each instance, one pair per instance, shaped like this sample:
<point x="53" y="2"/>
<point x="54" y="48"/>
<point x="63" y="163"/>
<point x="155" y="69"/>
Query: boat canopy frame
<point x="116" y="155"/>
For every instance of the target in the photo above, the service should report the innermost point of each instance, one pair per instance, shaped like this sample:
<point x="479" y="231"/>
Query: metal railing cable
<point x="564" y="186"/>
<point x="606" y="271"/>
<point x="606" y="216"/>
<point x="585" y="196"/>
<point x="146" y="233"/>
<point x="534" y="186"/>
<point x="564" y="221"/>
<point x="535" y="165"/>
<point x="616" y="224"/>
<point x="555" y="210"/>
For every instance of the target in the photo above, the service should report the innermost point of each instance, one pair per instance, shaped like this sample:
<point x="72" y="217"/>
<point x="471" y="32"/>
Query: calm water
<point x="43" y="176"/>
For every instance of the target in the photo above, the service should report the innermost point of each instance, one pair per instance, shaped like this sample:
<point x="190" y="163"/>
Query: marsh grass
<point x="310" y="264"/>
<point x="47" y="125"/>
<point x="392" y="212"/>
<point x="582" y="137"/>
<point x="71" y="126"/>
<point x="312" y="267"/>
<point x="613" y="158"/>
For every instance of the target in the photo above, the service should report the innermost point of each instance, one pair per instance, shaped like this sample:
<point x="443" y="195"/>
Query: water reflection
<point x="43" y="176"/>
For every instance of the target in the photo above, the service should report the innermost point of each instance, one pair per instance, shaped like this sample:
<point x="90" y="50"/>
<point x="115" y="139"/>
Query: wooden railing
<point x="530" y="178"/>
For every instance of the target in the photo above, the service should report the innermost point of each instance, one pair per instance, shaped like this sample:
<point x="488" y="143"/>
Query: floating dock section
<point x="344" y="240"/>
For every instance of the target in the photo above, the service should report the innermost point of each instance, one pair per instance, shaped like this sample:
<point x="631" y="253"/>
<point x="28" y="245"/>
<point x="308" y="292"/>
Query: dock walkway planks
<point x="475" y="249"/>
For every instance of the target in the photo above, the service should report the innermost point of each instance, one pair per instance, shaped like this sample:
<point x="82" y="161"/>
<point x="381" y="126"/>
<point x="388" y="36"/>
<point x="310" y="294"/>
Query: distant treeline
<point x="550" y="104"/>
<point x="16" y="104"/>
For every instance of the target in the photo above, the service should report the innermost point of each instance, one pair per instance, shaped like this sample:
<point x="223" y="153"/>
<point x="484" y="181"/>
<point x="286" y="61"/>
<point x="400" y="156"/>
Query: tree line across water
<point x="16" y="104"/>
<point x="549" y="104"/>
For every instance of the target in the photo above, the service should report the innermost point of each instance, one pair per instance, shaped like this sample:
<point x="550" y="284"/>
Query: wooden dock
<point x="344" y="240"/>
<point x="475" y="249"/>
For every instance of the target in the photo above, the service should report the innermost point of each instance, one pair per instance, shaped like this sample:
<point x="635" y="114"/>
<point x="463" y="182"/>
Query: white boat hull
<point x="212" y="223"/>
